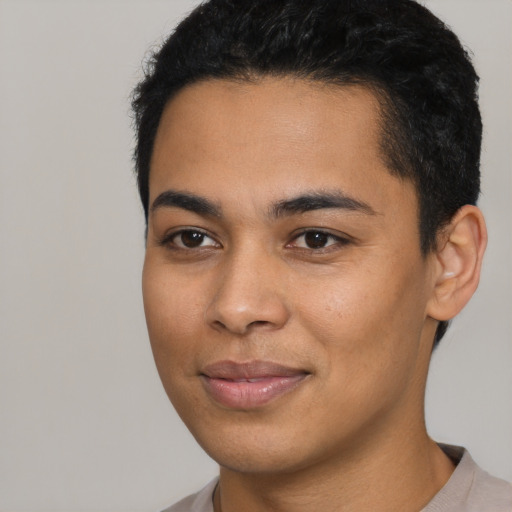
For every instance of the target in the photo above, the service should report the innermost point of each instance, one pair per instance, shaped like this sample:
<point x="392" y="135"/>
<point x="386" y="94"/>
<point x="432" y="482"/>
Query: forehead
<point x="273" y="135"/>
<point x="278" y="110"/>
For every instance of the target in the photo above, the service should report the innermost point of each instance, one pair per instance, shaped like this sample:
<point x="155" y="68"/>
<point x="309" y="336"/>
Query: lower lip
<point x="250" y="395"/>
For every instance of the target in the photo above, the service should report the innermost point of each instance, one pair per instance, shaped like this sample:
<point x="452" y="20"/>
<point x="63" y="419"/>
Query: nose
<point x="249" y="296"/>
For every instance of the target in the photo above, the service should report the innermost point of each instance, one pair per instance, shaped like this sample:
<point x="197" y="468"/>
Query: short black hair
<point x="421" y="74"/>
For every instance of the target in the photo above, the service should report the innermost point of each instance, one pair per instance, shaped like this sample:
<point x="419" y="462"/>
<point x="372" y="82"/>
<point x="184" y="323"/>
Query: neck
<point x="399" y="476"/>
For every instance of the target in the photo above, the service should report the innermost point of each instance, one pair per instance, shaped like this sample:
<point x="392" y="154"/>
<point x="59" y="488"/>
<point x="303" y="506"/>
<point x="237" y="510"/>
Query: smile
<point x="249" y="385"/>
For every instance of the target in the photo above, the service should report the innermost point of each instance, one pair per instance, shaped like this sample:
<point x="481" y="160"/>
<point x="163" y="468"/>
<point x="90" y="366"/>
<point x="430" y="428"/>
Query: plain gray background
<point x="85" y="425"/>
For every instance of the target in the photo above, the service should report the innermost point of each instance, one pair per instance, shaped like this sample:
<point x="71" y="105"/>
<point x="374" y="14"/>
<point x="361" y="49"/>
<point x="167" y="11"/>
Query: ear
<point x="459" y="254"/>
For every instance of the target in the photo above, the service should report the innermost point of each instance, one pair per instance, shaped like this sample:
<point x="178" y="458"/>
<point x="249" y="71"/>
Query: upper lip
<point x="233" y="370"/>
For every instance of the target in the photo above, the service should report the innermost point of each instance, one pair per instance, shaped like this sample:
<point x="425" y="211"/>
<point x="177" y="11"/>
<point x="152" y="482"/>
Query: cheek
<point x="365" y="319"/>
<point x="339" y="309"/>
<point x="366" y="349"/>
<point x="174" y="313"/>
<point x="174" y="319"/>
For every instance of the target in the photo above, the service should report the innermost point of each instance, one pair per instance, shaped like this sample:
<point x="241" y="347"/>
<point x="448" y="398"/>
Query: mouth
<point x="249" y="385"/>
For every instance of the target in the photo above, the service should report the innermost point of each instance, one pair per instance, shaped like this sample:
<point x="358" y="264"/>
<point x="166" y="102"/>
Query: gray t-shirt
<point x="469" y="489"/>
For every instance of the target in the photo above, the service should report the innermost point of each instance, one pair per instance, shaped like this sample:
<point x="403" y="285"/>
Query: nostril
<point x="218" y="325"/>
<point x="258" y="323"/>
<point x="242" y="328"/>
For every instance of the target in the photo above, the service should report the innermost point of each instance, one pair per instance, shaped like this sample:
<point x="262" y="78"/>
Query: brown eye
<point x="316" y="239"/>
<point x="192" y="239"/>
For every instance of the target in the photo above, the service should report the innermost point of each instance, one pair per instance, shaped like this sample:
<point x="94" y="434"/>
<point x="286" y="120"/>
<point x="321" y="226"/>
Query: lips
<point x="249" y="385"/>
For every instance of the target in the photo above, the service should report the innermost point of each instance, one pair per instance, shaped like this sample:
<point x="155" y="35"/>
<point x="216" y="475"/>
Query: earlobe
<point x="458" y="262"/>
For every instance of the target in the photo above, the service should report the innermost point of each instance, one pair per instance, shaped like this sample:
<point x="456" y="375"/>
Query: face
<point x="285" y="293"/>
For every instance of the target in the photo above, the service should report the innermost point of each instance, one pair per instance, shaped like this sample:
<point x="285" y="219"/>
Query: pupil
<point x="316" y="240"/>
<point x="192" y="238"/>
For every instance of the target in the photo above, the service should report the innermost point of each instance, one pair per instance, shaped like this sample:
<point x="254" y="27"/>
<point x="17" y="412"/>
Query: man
<point x="309" y="172"/>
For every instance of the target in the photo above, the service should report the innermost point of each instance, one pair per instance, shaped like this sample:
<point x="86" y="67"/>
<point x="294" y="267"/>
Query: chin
<point x="258" y="461"/>
<point x="255" y="449"/>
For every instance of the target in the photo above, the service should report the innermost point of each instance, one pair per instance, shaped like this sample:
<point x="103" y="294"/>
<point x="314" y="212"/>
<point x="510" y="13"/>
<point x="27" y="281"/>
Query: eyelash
<point x="168" y="239"/>
<point x="337" y="241"/>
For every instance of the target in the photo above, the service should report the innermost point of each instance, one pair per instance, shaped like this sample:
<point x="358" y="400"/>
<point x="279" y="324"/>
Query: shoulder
<point x="470" y="488"/>
<point x="494" y="493"/>
<point x="198" y="502"/>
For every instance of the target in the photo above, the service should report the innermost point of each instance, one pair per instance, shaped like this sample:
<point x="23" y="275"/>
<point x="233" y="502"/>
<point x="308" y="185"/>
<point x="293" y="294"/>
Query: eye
<point x="190" y="239"/>
<point x="315" y="239"/>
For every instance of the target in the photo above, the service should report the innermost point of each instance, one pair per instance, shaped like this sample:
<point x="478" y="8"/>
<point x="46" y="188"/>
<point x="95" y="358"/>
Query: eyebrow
<point x="311" y="201"/>
<point x="320" y="200"/>
<point x="186" y="201"/>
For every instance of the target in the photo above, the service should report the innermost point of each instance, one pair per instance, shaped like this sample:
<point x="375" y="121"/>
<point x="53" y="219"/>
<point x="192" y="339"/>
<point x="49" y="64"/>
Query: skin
<point x="356" y="313"/>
